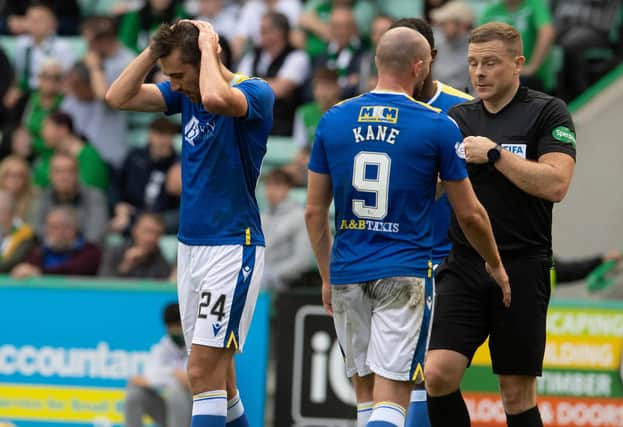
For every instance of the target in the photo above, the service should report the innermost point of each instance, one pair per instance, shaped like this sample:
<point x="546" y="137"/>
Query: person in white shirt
<point x="283" y="67"/>
<point x="163" y="391"/>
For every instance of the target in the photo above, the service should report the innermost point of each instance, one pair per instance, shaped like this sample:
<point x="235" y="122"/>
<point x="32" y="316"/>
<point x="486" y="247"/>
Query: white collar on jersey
<point x="389" y="92"/>
<point x="437" y="92"/>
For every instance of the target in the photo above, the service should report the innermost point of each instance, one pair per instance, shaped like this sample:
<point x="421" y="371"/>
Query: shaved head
<point x="399" y="49"/>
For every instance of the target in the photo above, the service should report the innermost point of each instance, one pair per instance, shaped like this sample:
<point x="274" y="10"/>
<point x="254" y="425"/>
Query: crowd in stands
<point x="89" y="190"/>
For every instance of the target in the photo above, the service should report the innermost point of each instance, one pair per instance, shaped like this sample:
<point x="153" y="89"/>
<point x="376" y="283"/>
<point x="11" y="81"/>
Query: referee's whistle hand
<point x="476" y="148"/>
<point x="499" y="275"/>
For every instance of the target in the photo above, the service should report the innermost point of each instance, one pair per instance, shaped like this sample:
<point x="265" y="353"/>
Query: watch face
<point x="493" y="155"/>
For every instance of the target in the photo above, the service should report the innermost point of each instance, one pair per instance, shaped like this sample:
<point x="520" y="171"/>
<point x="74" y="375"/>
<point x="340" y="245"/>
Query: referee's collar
<point x="520" y="95"/>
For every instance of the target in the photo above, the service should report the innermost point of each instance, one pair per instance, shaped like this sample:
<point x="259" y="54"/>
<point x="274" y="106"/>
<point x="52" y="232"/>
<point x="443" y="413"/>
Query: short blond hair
<point x="505" y="33"/>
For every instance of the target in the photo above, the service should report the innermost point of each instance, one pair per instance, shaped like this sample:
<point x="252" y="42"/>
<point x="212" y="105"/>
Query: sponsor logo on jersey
<point x="518" y="149"/>
<point x="564" y="134"/>
<point x="459" y="147"/>
<point x="366" y="224"/>
<point x="193" y="129"/>
<point x="378" y="114"/>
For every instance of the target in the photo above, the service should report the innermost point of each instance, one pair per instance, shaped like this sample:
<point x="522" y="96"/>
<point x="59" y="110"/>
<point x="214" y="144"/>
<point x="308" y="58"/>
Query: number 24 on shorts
<point x="218" y="308"/>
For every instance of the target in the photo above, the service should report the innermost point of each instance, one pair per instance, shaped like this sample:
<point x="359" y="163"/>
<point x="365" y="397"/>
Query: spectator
<point x="248" y="27"/>
<point x="58" y="135"/>
<point x="582" y="25"/>
<point x="344" y="50"/>
<point x="430" y="5"/>
<point x="15" y="179"/>
<point x="453" y="22"/>
<point x="136" y="27"/>
<point x="142" y="257"/>
<point x="14" y="19"/>
<point x="37" y="44"/>
<point x="16" y="237"/>
<point x="163" y="392"/>
<point x="43" y="102"/>
<point x="104" y="127"/>
<point x="367" y="69"/>
<point x="533" y="20"/>
<point x="142" y="180"/>
<point x="222" y="14"/>
<point x="282" y="66"/>
<point x="20" y="144"/>
<point x="297" y="168"/>
<point x="66" y="190"/>
<point x="288" y="253"/>
<point x="63" y="249"/>
<point x="326" y="94"/>
<point x="316" y="16"/>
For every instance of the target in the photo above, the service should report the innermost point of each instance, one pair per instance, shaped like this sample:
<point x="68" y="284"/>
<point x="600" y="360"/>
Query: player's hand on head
<point x="499" y="275"/>
<point x="326" y="298"/>
<point x="476" y="148"/>
<point x="208" y="37"/>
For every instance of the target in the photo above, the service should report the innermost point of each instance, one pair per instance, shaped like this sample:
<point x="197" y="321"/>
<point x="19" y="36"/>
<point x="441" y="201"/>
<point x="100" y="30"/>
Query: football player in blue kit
<point x="226" y="119"/>
<point x="378" y="156"/>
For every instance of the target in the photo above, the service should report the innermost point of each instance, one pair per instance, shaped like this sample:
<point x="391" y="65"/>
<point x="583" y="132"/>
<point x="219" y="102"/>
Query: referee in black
<point x="520" y="148"/>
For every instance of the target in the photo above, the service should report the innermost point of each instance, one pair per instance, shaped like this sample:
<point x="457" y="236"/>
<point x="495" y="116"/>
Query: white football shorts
<point x="383" y="326"/>
<point x="217" y="288"/>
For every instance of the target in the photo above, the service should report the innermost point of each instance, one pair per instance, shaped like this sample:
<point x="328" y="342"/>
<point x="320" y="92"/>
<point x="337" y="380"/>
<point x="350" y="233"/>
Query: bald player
<point x="378" y="157"/>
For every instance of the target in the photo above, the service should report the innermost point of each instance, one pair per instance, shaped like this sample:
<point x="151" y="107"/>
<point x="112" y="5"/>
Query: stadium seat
<point x="137" y="138"/>
<point x="299" y="195"/>
<point x="78" y="45"/>
<point x="8" y="44"/>
<point x="280" y="151"/>
<point x="114" y="239"/>
<point x="168" y="246"/>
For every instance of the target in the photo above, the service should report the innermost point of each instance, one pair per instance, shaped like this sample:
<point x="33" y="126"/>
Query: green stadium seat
<point x="78" y="45"/>
<point x="280" y="151"/>
<point x="140" y="120"/>
<point x="168" y="246"/>
<point x="137" y="137"/>
<point x="114" y="239"/>
<point x="97" y="7"/>
<point x="8" y="44"/>
<point x="299" y="195"/>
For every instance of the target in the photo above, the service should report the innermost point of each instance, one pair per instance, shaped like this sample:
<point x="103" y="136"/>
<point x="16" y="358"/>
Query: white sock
<point x="418" y="396"/>
<point x="388" y="414"/>
<point x="364" y="410"/>
<point x="235" y="409"/>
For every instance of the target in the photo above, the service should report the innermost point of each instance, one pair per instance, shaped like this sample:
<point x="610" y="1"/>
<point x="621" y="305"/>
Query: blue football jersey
<point x="221" y="160"/>
<point x="445" y="98"/>
<point x="383" y="151"/>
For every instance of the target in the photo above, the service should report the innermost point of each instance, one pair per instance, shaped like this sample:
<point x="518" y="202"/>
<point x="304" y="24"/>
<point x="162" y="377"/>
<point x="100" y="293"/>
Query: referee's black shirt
<point x="531" y="125"/>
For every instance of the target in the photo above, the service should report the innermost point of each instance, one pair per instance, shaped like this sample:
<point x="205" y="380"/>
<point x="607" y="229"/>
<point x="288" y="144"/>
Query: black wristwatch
<point x="493" y="155"/>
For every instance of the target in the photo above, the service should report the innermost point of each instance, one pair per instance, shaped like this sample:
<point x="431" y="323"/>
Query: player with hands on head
<point x="226" y="119"/>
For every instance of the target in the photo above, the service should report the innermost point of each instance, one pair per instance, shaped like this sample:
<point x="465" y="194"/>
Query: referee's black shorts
<point x="468" y="308"/>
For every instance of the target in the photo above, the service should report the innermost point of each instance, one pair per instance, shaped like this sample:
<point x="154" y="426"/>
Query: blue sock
<point x="236" y="416"/>
<point x="417" y="415"/>
<point x="387" y="414"/>
<point x="209" y="409"/>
